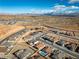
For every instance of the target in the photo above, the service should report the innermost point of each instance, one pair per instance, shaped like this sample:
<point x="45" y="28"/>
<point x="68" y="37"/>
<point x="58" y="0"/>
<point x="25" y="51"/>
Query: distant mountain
<point x="75" y="14"/>
<point x="63" y="14"/>
<point x="51" y="14"/>
<point x="30" y="14"/>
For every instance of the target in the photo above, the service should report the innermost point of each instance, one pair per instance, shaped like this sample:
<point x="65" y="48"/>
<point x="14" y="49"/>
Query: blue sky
<point x="39" y="6"/>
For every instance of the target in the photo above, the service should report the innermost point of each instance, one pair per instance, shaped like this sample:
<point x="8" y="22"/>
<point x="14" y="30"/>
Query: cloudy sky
<point x="39" y="6"/>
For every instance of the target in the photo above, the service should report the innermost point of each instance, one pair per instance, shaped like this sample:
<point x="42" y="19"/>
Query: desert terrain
<point x="24" y="37"/>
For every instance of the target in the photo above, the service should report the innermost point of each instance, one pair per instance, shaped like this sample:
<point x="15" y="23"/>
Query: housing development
<point x="33" y="37"/>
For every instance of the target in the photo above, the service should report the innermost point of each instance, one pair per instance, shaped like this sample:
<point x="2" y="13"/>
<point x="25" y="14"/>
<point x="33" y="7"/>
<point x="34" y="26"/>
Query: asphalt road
<point x="62" y="49"/>
<point x="67" y="51"/>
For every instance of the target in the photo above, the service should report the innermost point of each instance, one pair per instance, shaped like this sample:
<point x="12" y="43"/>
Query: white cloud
<point x="57" y="9"/>
<point x="76" y="7"/>
<point x="40" y="11"/>
<point x="72" y="7"/>
<point x="73" y="1"/>
<point x="64" y="9"/>
<point x="69" y="12"/>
